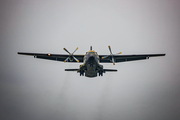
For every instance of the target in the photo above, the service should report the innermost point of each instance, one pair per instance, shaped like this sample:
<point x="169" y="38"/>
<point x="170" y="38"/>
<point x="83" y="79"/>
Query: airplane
<point x="91" y="60"/>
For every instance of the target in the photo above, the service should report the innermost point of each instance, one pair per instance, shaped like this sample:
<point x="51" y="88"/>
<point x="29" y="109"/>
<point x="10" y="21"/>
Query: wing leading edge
<point x="126" y="58"/>
<point x="55" y="57"/>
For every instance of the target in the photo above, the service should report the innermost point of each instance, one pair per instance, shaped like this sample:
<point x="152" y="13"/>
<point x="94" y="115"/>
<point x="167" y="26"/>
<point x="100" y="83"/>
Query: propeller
<point x="71" y="56"/>
<point x="111" y="55"/>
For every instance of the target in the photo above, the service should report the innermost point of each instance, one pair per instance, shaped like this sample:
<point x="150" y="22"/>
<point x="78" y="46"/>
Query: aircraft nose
<point x="91" y="56"/>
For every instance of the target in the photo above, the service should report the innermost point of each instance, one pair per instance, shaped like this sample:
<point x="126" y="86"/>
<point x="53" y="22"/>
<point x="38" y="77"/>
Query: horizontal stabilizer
<point x="71" y="69"/>
<point x="109" y="70"/>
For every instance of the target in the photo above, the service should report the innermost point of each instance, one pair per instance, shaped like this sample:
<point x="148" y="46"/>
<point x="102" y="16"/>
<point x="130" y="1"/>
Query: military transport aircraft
<point x="91" y="60"/>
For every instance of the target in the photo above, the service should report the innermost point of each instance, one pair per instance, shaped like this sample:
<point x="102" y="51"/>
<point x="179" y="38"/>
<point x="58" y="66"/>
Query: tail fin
<point x="90" y="47"/>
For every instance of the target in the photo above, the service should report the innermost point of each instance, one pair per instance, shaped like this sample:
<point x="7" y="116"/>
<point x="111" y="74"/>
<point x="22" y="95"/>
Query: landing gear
<point x="81" y="73"/>
<point x="100" y="73"/>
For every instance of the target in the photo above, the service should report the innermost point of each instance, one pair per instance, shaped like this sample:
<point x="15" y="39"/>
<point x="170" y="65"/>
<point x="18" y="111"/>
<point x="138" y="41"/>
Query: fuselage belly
<point x="91" y="64"/>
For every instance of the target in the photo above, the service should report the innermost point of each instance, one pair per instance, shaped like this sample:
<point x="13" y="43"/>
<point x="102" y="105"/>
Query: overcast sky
<point x="36" y="89"/>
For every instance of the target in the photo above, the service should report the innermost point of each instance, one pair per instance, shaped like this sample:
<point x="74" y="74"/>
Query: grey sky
<point x="41" y="89"/>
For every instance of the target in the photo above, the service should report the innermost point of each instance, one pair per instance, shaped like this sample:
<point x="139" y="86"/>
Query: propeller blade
<point x="66" y="50"/>
<point x="71" y="55"/>
<point x="66" y="59"/>
<point x="75" y="50"/>
<point x="113" y="61"/>
<point x="110" y="49"/>
<point x="112" y="56"/>
<point x="119" y="53"/>
<point x="75" y="59"/>
<point x="105" y="56"/>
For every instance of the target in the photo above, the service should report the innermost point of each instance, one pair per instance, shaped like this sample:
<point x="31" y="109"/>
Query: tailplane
<point x="109" y="70"/>
<point x="71" y="69"/>
<point x="104" y="70"/>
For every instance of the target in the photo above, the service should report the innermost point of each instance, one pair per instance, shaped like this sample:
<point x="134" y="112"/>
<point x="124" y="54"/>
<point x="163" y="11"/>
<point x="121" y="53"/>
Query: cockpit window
<point x="91" y="52"/>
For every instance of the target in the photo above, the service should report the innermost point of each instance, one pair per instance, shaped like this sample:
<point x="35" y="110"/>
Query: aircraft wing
<point x="126" y="58"/>
<point x="55" y="57"/>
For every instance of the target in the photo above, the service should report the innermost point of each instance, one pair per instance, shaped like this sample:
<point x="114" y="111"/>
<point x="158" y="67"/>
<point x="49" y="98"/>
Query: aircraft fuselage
<point x="91" y="65"/>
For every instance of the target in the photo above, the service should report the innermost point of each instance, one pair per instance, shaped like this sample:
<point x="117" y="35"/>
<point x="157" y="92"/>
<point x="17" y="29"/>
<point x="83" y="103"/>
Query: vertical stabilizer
<point x="90" y="47"/>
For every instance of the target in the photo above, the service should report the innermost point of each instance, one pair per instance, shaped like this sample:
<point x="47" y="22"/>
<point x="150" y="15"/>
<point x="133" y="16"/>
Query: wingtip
<point x="163" y="54"/>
